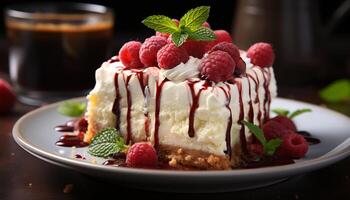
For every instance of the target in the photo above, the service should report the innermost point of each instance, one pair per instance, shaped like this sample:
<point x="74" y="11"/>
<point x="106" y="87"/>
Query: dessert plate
<point x="34" y="132"/>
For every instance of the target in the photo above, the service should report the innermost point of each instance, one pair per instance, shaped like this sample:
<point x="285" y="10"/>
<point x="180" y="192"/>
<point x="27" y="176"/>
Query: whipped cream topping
<point x="183" y="71"/>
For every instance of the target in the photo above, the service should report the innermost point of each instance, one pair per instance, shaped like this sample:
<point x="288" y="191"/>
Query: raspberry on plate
<point x="285" y="121"/>
<point x="141" y="155"/>
<point x="218" y="66"/>
<point x="228" y="47"/>
<point x="149" y="50"/>
<point x="170" y="56"/>
<point x="195" y="48"/>
<point x="293" y="146"/>
<point x="7" y="97"/>
<point x="129" y="54"/>
<point x="221" y="36"/>
<point x="273" y="129"/>
<point x="261" y="54"/>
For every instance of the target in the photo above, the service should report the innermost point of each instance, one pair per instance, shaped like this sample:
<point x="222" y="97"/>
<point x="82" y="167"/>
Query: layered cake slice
<point x="188" y="100"/>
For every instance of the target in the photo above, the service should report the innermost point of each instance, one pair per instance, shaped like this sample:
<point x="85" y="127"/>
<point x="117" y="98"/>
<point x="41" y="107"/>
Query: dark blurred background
<point x="311" y="37"/>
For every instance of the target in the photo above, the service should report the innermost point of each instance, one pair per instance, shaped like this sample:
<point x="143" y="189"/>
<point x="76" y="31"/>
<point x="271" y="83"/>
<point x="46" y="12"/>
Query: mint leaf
<point x="179" y="38"/>
<point x="106" y="142"/>
<point x="103" y="150"/>
<point x="272" y="145"/>
<point x="202" y="33"/>
<point x="269" y="146"/>
<point x="281" y="111"/>
<point x="161" y="24"/>
<point x="299" y="112"/>
<point x="338" y="91"/>
<point x="259" y="134"/>
<point x="195" y="17"/>
<point x="72" y="108"/>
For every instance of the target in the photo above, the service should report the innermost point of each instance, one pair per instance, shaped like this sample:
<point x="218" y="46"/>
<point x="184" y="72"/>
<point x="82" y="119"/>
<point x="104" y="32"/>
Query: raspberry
<point x="166" y="35"/>
<point x="129" y="54"/>
<point x="170" y="56"/>
<point x="221" y="36"/>
<point x="141" y="155"/>
<point x="273" y="129"/>
<point x="195" y="48"/>
<point x="285" y="121"/>
<point x="293" y="146"/>
<point x="261" y="54"/>
<point x="206" y="24"/>
<point x="240" y="68"/>
<point x="149" y="50"/>
<point x="229" y="48"/>
<point x="7" y="97"/>
<point x="217" y="66"/>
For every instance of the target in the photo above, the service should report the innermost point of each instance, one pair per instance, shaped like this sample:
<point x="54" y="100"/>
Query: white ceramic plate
<point x="34" y="132"/>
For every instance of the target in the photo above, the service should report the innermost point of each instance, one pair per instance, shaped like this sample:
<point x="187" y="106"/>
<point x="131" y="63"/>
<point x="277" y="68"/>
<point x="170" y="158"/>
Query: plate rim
<point x="265" y="171"/>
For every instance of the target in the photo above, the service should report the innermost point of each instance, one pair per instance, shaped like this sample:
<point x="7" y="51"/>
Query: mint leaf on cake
<point x="191" y="26"/>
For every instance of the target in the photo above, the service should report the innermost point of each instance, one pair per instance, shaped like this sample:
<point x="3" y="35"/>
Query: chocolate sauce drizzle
<point x="229" y="122"/>
<point x="195" y="105"/>
<point x="78" y="126"/>
<point x="157" y="109"/>
<point x="267" y="99"/>
<point x="116" y="104"/>
<point x="128" y="113"/>
<point x="242" y="137"/>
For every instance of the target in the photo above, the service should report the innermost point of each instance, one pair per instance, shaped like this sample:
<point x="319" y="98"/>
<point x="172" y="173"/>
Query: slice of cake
<point x="187" y="100"/>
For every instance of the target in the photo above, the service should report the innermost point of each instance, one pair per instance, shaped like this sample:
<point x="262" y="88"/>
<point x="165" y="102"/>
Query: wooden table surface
<point x="22" y="176"/>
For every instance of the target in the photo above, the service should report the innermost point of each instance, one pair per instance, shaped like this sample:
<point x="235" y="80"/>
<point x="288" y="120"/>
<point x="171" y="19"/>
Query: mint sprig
<point x="284" y="112"/>
<point x="106" y="142"/>
<point x="338" y="91"/>
<point x="190" y="26"/>
<point x="161" y="24"/>
<point x="195" y="17"/>
<point x="72" y="108"/>
<point x="268" y="146"/>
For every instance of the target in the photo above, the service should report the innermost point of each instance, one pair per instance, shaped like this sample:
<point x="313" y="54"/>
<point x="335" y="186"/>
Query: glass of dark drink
<point x="55" y="48"/>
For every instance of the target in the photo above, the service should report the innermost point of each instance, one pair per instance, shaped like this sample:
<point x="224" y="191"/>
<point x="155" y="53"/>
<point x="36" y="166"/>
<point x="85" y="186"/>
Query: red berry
<point x="7" y="97"/>
<point x="217" y="66"/>
<point x="149" y="50"/>
<point x="195" y="48"/>
<point x="129" y="54"/>
<point x="229" y="48"/>
<point x="166" y="35"/>
<point x="170" y="56"/>
<point x="273" y="129"/>
<point x="141" y="155"/>
<point x="206" y="24"/>
<point x="293" y="146"/>
<point x="256" y="149"/>
<point x="240" y="68"/>
<point x="221" y="36"/>
<point x="285" y="121"/>
<point x="261" y="54"/>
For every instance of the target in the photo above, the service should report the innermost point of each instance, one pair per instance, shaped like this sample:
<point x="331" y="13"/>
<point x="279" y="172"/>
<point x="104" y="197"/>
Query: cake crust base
<point x="187" y="159"/>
